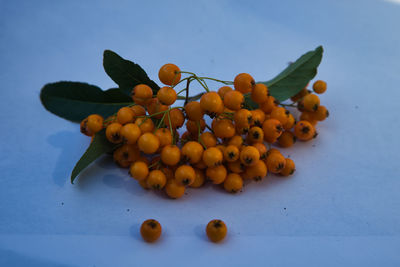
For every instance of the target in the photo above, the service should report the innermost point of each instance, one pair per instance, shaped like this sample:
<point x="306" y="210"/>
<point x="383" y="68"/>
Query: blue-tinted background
<point x="340" y="208"/>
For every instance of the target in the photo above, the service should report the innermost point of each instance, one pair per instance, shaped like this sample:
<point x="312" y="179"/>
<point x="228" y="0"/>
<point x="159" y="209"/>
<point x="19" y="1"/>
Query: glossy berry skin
<point x="300" y="95"/>
<point x="177" y="118"/>
<point x="255" y="135"/>
<point x="260" y="93"/>
<point x="258" y="117"/>
<point x="236" y="140"/>
<point x="170" y="155"/>
<point x="208" y="139"/>
<point x="139" y="170"/>
<point x="125" y="155"/>
<point x="192" y="152"/>
<point x="309" y="116"/>
<point x="142" y="92"/>
<point x="224" y="129"/>
<point x="256" y="172"/>
<point x="287" y="139"/>
<point x="275" y="162"/>
<point x="289" y="168"/>
<point x="193" y="111"/>
<point x="166" y="95"/>
<point x="155" y="108"/>
<point x="185" y="175"/>
<point x="262" y="149"/>
<point x="223" y="90"/>
<point x="113" y="133"/>
<point x="174" y="190"/>
<point x="84" y="129"/>
<point x="304" y="131"/>
<point x="216" y="230"/>
<point x="272" y="129"/>
<point x="193" y="126"/>
<point x="94" y="123"/>
<point x="231" y="153"/>
<point x="321" y="113"/>
<point x="164" y="135"/>
<point x="138" y="110"/>
<point x="310" y="102"/>
<point x="249" y="155"/>
<point x="319" y="87"/>
<point x="156" y="179"/>
<point x="199" y="179"/>
<point x="289" y="123"/>
<point x="212" y="157"/>
<point x="148" y="143"/>
<point x="216" y="175"/>
<point x="130" y="133"/>
<point x="146" y="125"/>
<point x="244" y="83"/>
<point x="125" y="115"/>
<point x="150" y="230"/>
<point x="233" y="100"/>
<point x="243" y="118"/>
<point x="211" y="104"/>
<point x="236" y="167"/>
<point x="233" y="183"/>
<point x="169" y="74"/>
<point x="280" y="114"/>
<point x="268" y="105"/>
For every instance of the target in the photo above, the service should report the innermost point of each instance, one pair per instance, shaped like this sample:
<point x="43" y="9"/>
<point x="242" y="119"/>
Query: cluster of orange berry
<point x="235" y="147"/>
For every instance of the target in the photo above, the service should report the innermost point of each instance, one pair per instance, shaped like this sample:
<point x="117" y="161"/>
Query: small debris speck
<point x="313" y="145"/>
<point x="128" y="210"/>
<point x="62" y="203"/>
<point x="284" y="208"/>
<point x="356" y="107"/>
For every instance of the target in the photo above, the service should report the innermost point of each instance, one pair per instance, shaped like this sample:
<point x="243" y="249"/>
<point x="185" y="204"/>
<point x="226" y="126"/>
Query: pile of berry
<point x="234" y="147"/>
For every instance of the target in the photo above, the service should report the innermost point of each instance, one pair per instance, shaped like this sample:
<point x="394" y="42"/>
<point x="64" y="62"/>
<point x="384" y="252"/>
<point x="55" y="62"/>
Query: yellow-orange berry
<point x="233" y="183"/>
<point x="319" y="87"/>
<point x="289" y="168"/>
<point x="84" y="129"/>
<point x="258" y="117"/>
<point x="224" y="128"/>
<point x="156" y="179"/>
<point x="287" y="139"/>
<point x="174" y="190"/>
<point x="170" y="155"/>
<point x="169" y="74"/>
<point x="211" y="104"/>
<point x="268" y="105"/>
<point x="199" y="179"/>
<point x="321" y="113"/>
<point x="216" y="230"/>
<point x="289" y="123"/>
<point x="148" y="143"/>
<point x="142" y="91"/>
<point x="139" y="170"/>
<point x="236" y="140"/>
<point x="255" y="135"/>
<point x="259" y="93"/>
<point x="138" y="110"/>
<point x="185" y="175"/>
<point x="208" y="139"/>
<point x="212" y="157"/>
<point x="216" y="175"/>
<point x="233" y="100"/>
<point x="164" y="135"/>
<point x="249" y="155"/>
<point x="231" y="153"/>
<point x="310" y="102"/>
<point x="125" y="115"/>
<point x="236" y="167"/>
<point x="130" y="133"/>
<point x="243" y="118"/>
<point x="113" y="133"/>
<point x="94" y="123"/>
<point x="262" y="149"/>
<point x="275" y="162"/>
<point x="244" y="83"/>
<point x="193" y="111"/>
<point x="167" y="95"/>
<point x="223" y="90"/>
<point x="192" y="151"/>
<point x="150" y="230"/>
<point x="280" y="114"/>
<point x="256" y="172"/>
<point x="304" y="131"/>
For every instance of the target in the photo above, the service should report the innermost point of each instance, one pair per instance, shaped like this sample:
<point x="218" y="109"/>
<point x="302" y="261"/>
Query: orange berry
<point x="84" y="129"/>
<point x="289" y="123"/>
<point x="150" y="230"/>
<point x="223" y="90"/>
<point x="280" y="114"/>
<point x="216" y="175"/>
<point x="193" y="111"/>
<point x="125" y="155"/>
<point x="300" y="95"/>
<point x="249" y="155"/>
<point x="287" y="139"/>
<point x="94" y="123"/>
<point x="236" y="140"/>
<point x="177" y="118"/>
<point x="233" y="100"/>
<point x="154" y="106"/>
<point x="185" y="175"/>
<point x="309" y="116"/>
<point x="169" y="74"/>
<point x="125" y="115"/>
<point x="170" y="155"/>
<point x="256" y="172"/>
<point x="199" y="180"/>
<point x="138" y="110"/>
<point x="216" y="230"/>
<point x="156" y="180"/>
<point x="192" y="151"/>
<point x="208" y="139"/>
<point x="289" y="168"/>
<point x="310" y="102"/>
<point x="130" y="133"/>
<point x="139" y="170"/>
<point x="212" y="157"/>
<point x="255" y="135"/>
<point x="193" y="126"/>
<point x="259" y="93"/>
<point x="262" y="149"/>
<point x="174" y="190"/>
<point x="164" y="135"/>
<point x="231" y="153"/>
<point x="167" y="95"/>
<point x="224" y="128"/>
<point x="211" y="104"/>
<point x="148" y="143"/>
<point x="320" y="114"/>
<point x="268" y="105"/>
<point x="319" y="87"/>
<point x="244" y="83"/>
<point x="146" y="125"/>
<point x="142" y="91"/>
<point x="304" y="131"/>
<point x="243" y="118"/>
<point x="258" y="117"/>
<point x="275" y="162"/>
<point x="272" y="129"/>
<point x="113" y="133"/>
<point x="233" y="183"/>
<point x="236" y="166"/>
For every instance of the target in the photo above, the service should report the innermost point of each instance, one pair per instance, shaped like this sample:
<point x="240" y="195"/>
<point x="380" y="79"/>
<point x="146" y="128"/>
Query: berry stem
<point x="161" y="121"/>
<point x="199" y="131"/>
<point x="216" y="80"/>
<point x="287" y="105"/>
<point x="187" y="91"/>
<point x="170" y="127"/>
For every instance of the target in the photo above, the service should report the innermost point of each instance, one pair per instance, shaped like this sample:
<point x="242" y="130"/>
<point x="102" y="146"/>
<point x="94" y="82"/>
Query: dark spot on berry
<point x="327" y="113"/>
<point x="257" y="178"/>
<point x="217" y="224"/>
<point x="125" y="155"/>
<point x="249" y="118"/>
<point x="231" y="155"/>
<point x="287" y="112"/>
<point x="156" y="186"/>
<point x="233" y="191"/>
<point x="256" y="135"/>
<point x="279" y="128"/>
<point x="315" y="107"/>
<point x="185" y="181"/>
<point x="305" y="129"/>
<point x="258" y="123"/>
<point x="263" y="155"/>
<point x="280" y="166"/>
<point x="152" y="224"/>
<point x="291" y="172"/>
<point x="294" y="139"/>
<point x="115" y="136"/>
<point x="248" y="160"/>
<point x="315" y="135"/>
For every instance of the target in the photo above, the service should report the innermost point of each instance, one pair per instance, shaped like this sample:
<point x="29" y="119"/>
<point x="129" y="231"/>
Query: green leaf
<point x="114" y="95"/>
<point x="249" y="103"/>
<point x="296" y="76"/>
<point x="99" y="146"/>
<point x="125" y="73"/>
<point x="75" y="101"/>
